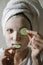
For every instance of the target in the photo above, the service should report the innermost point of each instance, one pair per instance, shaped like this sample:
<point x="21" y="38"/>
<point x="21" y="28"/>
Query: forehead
<point x="16" y="22"/>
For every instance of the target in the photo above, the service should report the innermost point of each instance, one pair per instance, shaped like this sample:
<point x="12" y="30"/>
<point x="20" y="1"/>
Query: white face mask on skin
<point x="11" y="29"/>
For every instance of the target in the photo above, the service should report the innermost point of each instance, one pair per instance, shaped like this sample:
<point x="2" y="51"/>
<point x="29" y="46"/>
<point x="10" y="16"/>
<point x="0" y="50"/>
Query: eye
<point x="10" y="31"/>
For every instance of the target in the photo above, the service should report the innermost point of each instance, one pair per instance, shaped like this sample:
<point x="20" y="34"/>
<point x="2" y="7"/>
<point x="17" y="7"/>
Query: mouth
<point x="16" y="45"/>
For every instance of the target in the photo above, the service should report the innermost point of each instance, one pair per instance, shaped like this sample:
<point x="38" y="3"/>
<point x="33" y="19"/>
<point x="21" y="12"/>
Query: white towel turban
<point x="17" y="6"/>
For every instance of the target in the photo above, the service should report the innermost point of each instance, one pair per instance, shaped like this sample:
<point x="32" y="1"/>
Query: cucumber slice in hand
<point x="23" y="31"/>
<point x="17" y="46"/>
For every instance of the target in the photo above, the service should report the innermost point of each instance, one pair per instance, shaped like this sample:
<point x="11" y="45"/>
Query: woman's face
<point x="11" y="31"/>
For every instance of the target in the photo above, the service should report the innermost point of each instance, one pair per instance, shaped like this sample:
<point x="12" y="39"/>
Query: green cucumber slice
<point x="17" y="46"/>
<point x="23" y="31"/>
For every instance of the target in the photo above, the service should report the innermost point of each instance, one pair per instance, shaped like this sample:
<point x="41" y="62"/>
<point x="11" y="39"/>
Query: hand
<point x="36" y="42"/>
<point x="10" y="51"/>
<point x="9" y="55"/>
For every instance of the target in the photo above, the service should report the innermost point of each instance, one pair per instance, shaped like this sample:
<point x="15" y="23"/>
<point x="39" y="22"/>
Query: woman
<point x="17" y="15"/>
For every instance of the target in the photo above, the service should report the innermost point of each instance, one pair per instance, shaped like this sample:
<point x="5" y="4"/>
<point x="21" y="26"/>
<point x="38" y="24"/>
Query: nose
<point x="16" y="36"/>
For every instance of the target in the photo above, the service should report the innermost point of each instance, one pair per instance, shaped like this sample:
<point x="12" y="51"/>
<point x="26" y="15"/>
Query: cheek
<point x="24" y="40"/>
<point x="8" y="40"/>
<point x="7" y="36"/>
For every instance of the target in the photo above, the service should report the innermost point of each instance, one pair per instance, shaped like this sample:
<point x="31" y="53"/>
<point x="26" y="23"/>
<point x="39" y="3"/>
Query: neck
<point x="19" y="56"/>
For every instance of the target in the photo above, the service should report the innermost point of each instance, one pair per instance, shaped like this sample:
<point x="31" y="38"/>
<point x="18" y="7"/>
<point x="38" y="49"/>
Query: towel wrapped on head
<point x="17" y="6"/>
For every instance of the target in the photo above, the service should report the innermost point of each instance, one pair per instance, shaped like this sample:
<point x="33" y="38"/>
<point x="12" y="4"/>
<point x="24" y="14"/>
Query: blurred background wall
<point x="2" y="6"/>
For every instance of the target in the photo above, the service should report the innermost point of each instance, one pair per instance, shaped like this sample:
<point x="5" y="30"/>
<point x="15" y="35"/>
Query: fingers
<point x="9" y="51"/>
<point x="32" y="32"/>
<point x="36" y="36"/>
<point x="32" y="41"/>
<point x="29" y="37"/>
<point x="36" y="43"/>
<point x="39" y="43"/>
<point x="35" y="49"/>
